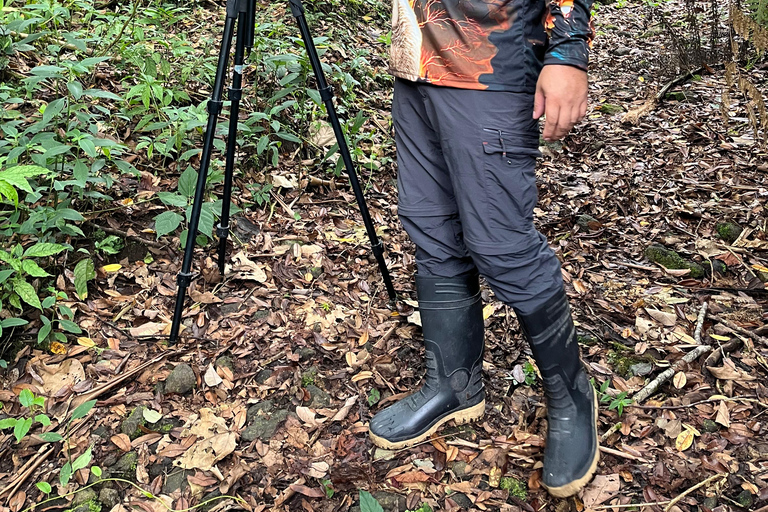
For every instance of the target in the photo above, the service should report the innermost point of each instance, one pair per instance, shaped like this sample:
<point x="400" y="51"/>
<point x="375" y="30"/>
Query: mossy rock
<point x="621" y="364"/>
<point x="728" y="231"/>
<point x="516" y="487"/>
<point x="668" y="258"/>
<point x="610" y="109"/>
<point x="131" y="425"/>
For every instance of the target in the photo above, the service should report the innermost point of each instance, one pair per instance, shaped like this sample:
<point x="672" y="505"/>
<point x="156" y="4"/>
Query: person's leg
<point x="490" y="143"/>
<point x="447" y="285"/>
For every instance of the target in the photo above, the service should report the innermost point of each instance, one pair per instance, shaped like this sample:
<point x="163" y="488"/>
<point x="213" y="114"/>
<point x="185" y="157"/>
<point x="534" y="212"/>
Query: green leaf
<point x="263" y="143"/>
<point x="7" y="190"/>
<point x="70" y="326"/>
<point x="167" y="222"/>
<point x="44" y="487"/>
<point x="83" y="409"/>
<point x="88" y="146"/>
<point x="7" y="423"/>
<point x="75" y="89"/>
<point x="187" y="182"/>
<point x="22" y="428"/>
<point x="84" y="272"/>
<point x="41" y="250"/>
<point x="368" y="503"/>
<point x="82" y="461"/>
<point x="51" y="437"/>
<point x="43" y="419"/>
<point x="43" y="333"/>
<point x="13" y="322"/>
<point x="33" y="269"/>
<point x="96" y="470"/>
<point x="65" y="475"/>
<point x="172" y="199"/>
<point x="53" y="109"/>
<point x="26" y="397"/>
<point x="27" y="293"/>
<point x="17" y="176"/>
<point x="98" y="93"/>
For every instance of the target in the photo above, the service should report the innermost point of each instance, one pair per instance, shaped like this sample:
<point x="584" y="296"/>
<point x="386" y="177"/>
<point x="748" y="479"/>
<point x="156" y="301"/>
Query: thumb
<point x="539" y="102"/>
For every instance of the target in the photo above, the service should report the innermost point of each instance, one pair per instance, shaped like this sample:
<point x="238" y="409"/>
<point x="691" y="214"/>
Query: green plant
<point x="110" y="245"/>
<point x="373" y="397"/>
<point x="617" y="402"/>
<point x="368" y="503"/>
<point x="327" y="488"/>
<point x="424" y="507"/>
<point x="21" y="426"/>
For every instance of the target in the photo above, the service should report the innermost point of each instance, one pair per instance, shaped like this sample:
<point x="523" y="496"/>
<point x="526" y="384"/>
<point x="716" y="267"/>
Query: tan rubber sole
<point x="572" y="488"/>
<point x="460" y="417"/>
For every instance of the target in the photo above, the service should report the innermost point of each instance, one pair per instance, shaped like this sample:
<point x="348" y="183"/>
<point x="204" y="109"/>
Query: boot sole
<point x="575" y="486"/>
<point x="460" y="417"/>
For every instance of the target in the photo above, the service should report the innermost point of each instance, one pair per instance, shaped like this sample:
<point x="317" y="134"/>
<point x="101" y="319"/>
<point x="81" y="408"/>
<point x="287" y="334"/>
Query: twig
<point x="614" y="428"/>
<point x="685" y="493"/>
<point x="750" y="399"/>
<point x="633" y="116"/>
<point x="700" y="323"/>
<point x="738" y="329"/>
<point x="125" y="234"/>
<point x="625" y="455"/>
<point x="631" y="505"/>
<point x="669" y="372"/>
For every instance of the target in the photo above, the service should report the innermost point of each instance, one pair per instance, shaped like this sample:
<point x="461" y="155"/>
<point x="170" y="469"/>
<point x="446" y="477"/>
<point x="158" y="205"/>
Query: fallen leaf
<point x="112" y="268"/>
<point x="86" y="342"/>
<point x="151" y="415"/>
<point x="122" y="441"/>
<point x="207" y="452"/>
<point x="723" y="416"/>
<point x="58" y="348"/>
<point x="212" y="378"/>
<point x="729" y="372"/>
<point x="602" y="488"/>
<point x="17" y="501"/>
<point x="147" y="329"/>
<point x="345" y="409"/>
<point x="308" y="491"/>
<point x="679" y="380"/>
<point x="684" y="440"/>
<point x="664" y="318"/>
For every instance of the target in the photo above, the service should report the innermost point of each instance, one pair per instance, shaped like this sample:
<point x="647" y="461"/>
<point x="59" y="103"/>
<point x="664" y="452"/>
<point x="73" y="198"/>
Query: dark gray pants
<point x="467" y="186"/>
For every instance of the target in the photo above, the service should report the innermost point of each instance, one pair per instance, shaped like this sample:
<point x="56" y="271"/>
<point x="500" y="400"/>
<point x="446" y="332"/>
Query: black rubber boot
<point x="452" y="321"/>
<point x="572" y="452"/>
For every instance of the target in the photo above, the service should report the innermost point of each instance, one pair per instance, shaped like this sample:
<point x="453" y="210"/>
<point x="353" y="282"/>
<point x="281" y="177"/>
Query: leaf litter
<point x="294" y="350"/>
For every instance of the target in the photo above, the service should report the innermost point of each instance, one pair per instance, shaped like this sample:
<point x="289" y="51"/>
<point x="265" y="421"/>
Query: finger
<point x="550" y="127"/>
<point x="582" y="111"/>
<point x="539" y="103"/>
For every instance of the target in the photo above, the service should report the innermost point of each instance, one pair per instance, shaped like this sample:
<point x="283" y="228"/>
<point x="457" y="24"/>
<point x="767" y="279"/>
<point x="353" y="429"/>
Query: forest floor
<point x="282" y="363"/>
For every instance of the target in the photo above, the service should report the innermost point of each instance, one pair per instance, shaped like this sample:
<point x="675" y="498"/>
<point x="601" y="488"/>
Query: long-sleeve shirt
<point x="488" y="44"/>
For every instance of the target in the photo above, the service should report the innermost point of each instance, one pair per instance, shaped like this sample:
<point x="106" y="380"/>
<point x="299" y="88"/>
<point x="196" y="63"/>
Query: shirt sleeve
<point x="570" y="32"/>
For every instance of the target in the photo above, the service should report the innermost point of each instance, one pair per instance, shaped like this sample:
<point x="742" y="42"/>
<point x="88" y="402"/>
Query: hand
<point x="561" y="94"/>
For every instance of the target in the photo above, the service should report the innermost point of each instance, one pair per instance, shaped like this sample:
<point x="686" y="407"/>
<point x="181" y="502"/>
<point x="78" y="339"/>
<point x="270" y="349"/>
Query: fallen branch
<point x="685" y="493"/>
<point x="738" y="329"/>
<point x="634" y="115"/>
<point x="125" y="234"/>
<point x="690" y="357"/>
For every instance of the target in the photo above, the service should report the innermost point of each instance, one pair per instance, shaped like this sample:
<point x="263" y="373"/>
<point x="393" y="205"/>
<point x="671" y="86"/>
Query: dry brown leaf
<point x="345" y="409"/>
<point x="207" y="452"/>
<point x="602" y="488"/>
<point x="412" y="477"/>
<point x="679" y="380"/>
<point x="212" y="378"/>
<point x="729" y="372"/>
<point x="664" y="318"/>
<point x="17" y="501"/>
<point x="55" y="377"/>
<point x="684" y="440"/>
<point x="204" y="298"/>
<point x="307" y="491"/>
<point x="723" y="416"/>
<point x="147" y="329"/>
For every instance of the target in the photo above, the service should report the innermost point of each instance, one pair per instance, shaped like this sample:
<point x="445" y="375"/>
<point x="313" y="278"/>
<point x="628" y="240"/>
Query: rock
<point x="264" y="420"/>
<point x="176" y="481"/>
<point x="208" y="501"/>
<point x="316" y="272"/>
<point x="109" y="497"/>
<point x="728" y="231"/>
<point x="717" y="266"/>
<point x="709" y="426"/>
<point x="641" y="369"/>
<point x="306" y="353"/>
<point x="125" y="467"/>
<point x="710" y="502"/>
<point x="459" y="469"/>
<point x="745" y="499"/>
<point x="462" y="500"/>
<point x="181" y="380"/>
<point x="319" y="398"/>
<point x="163" y="467"/>
<point x="226" y="362"/>
<point x="588" y="222"/>
<point x="130" y="425"/>
<point x="263" y="375"/>
<point x="621" y="51"/>
<point x="390" y="501"/>
<point x="102" y="431"/>
<point x="83" y="497"/>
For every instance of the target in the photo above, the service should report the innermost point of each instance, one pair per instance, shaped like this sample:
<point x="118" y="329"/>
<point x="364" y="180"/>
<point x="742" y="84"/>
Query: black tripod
<point x="244" y="13"/>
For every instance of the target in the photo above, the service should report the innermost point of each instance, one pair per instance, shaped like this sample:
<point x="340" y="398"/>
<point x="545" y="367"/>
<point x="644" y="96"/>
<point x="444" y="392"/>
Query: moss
<point x="668" y="258"/>
<point x="516" y="487"/>
<point x="728" y="231"/>
<point x="621" y="364"/>
<point x="610" y="109"/>
<point x="308" y="377"/>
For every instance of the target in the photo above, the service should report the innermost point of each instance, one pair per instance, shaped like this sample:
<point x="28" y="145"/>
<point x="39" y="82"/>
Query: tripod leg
<point x="326" y="94"/>
<point x="235" y="93"/>
<point x="214" y="109"/>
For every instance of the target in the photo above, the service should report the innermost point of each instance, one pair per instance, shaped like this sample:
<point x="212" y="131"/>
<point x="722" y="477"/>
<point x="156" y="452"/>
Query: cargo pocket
<point x="510" y="182"/>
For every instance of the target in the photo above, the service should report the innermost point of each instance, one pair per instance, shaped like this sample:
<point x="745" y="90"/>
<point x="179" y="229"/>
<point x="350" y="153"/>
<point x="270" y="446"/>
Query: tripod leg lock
<point x="214" y="106"/>
<point x="326" y="93"/>
<point x="184" y="279"/>
<point x="297" y="8"/>
<point x="235" y="94"/>
<point x="222" y="231"/>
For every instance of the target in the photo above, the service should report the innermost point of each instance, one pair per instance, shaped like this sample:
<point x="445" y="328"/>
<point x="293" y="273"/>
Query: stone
<point x="181" y="380"/>
<point x="263" y="375"/>
<point x="462" y="500"/>
<point x="263" y="420"/>
<point x="709" y="426"/>
<point x="588" y="222"/>
<point x="102" y="431"/>
<point x="84" y="496"/>
<point x="227" y="362"/>
<point x="671" y="260"/>
<point x="459" y="469"/>
<point x="125" y="467"/>
<point x="109" y="497"/>
<point x="641" y="369"/>
<point x="728" y="231"/>
<point x="130" y="425"/>
<point x="621" y="51"/>
<point x="318" y="398"/>
<point x="745" y="499"/>
<point x="208" y="501"/>
<point x="176" y="481"/>
<point x="306" y="353"/>
<point x="390" y="501"/>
